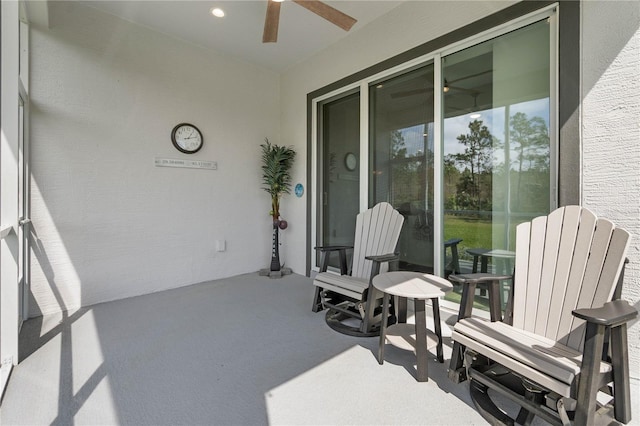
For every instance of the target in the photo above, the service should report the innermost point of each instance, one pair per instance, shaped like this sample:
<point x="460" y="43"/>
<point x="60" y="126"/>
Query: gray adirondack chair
<point x="568" y="337"/>
<point x="351" y="297"/>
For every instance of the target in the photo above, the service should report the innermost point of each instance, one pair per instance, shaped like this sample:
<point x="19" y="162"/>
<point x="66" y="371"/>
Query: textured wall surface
<point x="107" y="223"/>
<point x="611" y="130"/>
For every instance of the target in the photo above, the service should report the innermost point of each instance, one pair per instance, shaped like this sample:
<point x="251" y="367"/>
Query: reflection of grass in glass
<point x="478" y="302"/>
<point x="475" y="232"/>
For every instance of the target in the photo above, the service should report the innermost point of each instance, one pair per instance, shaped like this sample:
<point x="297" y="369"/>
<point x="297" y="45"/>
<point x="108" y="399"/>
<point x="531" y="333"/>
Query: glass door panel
<point x="340" y="166"/>
<point x="497" y="157"/>
<point x="401" y="163"/>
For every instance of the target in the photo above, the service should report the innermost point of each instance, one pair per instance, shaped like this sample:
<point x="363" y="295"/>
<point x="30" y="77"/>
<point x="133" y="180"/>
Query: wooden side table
<point x="419" y="287"/>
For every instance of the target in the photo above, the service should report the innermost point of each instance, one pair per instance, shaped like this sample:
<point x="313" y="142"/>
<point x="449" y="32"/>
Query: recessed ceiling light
<point x="278" y="1"/>
<point x="379" y="86"/>
<point x="476" y="115"/>
<point x="217" y="12"/>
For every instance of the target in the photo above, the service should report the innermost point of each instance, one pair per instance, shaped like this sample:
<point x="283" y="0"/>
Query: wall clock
<point x="350" y="161"/>
<point x="187" y="138"/>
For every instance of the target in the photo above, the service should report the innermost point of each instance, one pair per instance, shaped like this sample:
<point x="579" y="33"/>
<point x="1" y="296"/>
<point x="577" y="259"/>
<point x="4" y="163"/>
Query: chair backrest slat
<point x="600" y="286"/>
<point x="377" y="232"/>
<point x="532" y="285"/>
<point x="584" y="237"/>
<point x="564" y="261"/>
<point x="570" y="222"/>
<point x="523" y="233"/>
<point x="549" y="263"/>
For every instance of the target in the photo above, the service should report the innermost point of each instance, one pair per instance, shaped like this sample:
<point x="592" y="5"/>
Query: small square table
<point x="419" y="287"/>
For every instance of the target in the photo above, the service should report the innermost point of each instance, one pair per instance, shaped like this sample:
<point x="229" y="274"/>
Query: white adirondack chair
<point x="550" y="361"/>
<point x="352" y="296"/>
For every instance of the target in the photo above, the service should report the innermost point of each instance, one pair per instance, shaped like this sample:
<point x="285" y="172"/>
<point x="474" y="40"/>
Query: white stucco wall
<point x="408" y="25"/>
<point x="108" y="224"/>
<point x="611" y="130"/>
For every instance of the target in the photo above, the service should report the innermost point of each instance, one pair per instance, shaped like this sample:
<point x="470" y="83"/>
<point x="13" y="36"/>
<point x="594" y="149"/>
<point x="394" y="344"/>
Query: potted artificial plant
<point x="276" y="179"/>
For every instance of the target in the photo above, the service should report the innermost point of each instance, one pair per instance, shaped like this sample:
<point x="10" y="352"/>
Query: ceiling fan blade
<point x="271" y="21"/>
<point x="329" y="13"/>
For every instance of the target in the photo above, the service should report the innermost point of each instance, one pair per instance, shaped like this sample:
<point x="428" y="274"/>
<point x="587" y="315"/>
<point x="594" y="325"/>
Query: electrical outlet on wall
<point x="221" y="245"/>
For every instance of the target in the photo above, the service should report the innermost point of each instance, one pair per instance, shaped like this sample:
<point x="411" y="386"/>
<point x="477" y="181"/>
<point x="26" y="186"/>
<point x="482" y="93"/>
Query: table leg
<point x="383" y="327"/>
<point x="435" y="303"/>
<point x="475" y="264"/>
<point x="402" y="310"/>
<point x="421" y="341"/>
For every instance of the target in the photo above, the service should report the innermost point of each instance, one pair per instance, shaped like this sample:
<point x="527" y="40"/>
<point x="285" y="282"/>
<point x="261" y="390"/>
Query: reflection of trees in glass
<point x="409" y="169"/>
<point x="530" y="143"/>
<point x="407" y="172"/>
<point x="476" y="164"/>
<point x="398" y="147"/>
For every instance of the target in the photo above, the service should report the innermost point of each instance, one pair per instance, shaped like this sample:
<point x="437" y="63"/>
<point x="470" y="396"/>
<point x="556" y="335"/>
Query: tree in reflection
<point x="529" y="140"/>
<point x="476" y="164"/>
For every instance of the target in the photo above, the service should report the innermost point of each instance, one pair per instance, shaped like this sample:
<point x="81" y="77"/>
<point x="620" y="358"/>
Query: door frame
<point x="14" y="182"/>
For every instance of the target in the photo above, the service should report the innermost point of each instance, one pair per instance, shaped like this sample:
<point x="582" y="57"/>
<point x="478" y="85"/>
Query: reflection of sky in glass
<point x="494" y="120"/>
<point x="414" y="138"/>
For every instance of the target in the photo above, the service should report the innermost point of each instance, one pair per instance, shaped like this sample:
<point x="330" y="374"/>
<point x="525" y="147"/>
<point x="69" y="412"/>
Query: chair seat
<point x="343" y="284"/>
<point x="545" y="361"/>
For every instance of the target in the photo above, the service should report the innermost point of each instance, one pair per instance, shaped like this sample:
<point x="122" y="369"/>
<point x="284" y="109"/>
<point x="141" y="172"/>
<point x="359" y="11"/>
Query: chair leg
<point x="368" y="319"/>
<point x="620" y="361"/>
<point x="317" y="301"/>
<point x="457" y="372"/>
<point x="589" y="374"/>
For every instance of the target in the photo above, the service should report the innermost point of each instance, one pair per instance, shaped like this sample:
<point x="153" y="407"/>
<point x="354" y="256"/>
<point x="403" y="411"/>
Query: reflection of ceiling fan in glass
<point x="321" y="9"/>
<point x="447" y="86"/>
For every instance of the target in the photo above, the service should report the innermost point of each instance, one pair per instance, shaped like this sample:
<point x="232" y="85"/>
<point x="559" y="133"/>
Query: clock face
<point x="186" y="138"/>
<point x="351" y="161"/>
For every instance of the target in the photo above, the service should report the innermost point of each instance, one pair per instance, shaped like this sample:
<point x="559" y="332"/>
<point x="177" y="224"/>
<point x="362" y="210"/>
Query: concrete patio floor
<point x="240" y="351"/>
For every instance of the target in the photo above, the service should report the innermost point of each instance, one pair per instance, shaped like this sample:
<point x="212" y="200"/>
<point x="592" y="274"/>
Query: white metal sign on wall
<point x="189" y="164"/>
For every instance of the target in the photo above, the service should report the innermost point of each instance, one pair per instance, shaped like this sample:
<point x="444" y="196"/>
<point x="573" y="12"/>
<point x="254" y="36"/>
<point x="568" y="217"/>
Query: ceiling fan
<point x="331" y="14"/>
<point x="448" y="85"/>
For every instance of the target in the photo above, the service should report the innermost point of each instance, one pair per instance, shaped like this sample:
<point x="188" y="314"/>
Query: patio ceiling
<point x="239" y="33"/>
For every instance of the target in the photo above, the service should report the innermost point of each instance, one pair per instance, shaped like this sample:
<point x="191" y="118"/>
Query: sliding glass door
<point x="340" y="165"/>
<point x="401" y="159"/>
<point x="496" y="144"/>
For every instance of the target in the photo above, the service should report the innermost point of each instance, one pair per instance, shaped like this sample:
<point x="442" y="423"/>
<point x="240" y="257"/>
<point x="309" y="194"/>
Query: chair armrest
<point x="332" y="248"/>
<point x="478" y="278"/>
<point x="324" y="257"/>
<point x="611" y="314"/>
<point x="377" y="261"/>
<point x="452" y="242"/>
<point x="383" y="257"/>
